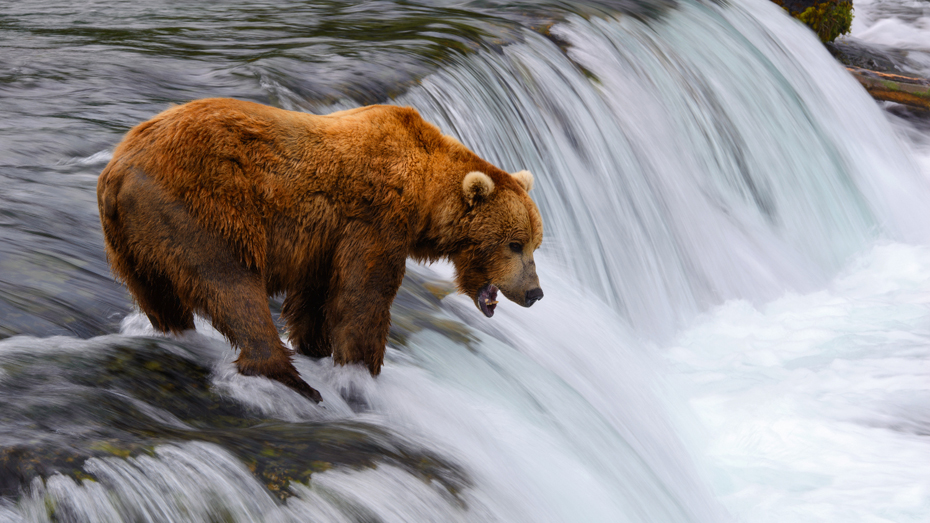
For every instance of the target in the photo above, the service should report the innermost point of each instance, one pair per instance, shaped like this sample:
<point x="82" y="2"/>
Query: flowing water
<point x="737" y="315"/>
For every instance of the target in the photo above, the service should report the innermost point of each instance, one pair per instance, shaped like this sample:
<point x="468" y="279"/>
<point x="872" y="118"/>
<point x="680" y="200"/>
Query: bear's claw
<point x="291" y="379"/>
<point x="305" y="390"/>
<point x="300" y="386"/>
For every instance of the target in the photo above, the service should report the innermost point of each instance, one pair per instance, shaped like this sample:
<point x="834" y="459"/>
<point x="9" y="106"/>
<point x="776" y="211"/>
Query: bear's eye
<point x="516" y="247"/>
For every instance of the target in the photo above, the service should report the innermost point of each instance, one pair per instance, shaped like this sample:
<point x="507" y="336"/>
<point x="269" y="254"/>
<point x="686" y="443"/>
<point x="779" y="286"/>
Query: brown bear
<point x="214" y="205"/>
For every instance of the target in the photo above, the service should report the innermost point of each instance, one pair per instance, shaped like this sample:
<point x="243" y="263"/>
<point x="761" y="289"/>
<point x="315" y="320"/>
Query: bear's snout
<point x="532" y="296"/>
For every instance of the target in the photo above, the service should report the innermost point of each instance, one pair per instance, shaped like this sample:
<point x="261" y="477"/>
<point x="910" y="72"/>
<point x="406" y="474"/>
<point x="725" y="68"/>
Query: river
<point x="736" y="266"/>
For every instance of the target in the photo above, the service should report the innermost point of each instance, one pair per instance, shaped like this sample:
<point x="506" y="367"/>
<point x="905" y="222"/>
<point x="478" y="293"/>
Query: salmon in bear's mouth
<point x="487" y="299"/>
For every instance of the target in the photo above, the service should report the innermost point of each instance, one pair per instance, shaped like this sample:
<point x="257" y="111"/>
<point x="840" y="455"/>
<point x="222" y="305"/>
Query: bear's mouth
<point x="487" y="299"/>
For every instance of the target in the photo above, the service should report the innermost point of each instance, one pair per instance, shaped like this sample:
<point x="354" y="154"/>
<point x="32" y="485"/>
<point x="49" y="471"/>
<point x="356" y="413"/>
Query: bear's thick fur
<point x="212" y="206"/>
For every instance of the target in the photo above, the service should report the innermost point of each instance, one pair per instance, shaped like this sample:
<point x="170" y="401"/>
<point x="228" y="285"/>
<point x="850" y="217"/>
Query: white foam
<point x="816" y="405"/>
<point x="899" y="25"/>
<point x="895" y="32"/>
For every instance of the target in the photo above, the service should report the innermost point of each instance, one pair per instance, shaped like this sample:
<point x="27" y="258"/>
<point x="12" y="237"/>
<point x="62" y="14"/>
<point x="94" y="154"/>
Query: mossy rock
<point x="828" y="19"/>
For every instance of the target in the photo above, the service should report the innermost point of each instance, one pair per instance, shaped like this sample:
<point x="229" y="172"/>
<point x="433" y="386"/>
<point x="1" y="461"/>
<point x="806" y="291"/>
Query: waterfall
<point x="692" y="169"/>
<point x="718" y="154"/>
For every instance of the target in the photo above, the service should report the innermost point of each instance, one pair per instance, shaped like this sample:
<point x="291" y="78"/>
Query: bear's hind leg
<point x="159" y="301"/>
<point x="238" y="307"/>
<point x="204" y="271"/>
<point x="304" y="312"/>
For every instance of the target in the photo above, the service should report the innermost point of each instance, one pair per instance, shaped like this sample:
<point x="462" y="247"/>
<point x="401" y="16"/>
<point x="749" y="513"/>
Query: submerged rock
<point x="60" y="406"/>
<point x="416" y="308"/>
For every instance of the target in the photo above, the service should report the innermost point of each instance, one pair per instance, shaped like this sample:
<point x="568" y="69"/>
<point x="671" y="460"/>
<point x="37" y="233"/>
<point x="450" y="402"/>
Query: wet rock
<point x="62" y="407"/>
<point x="416" y="308"/>
<point x="854" y="53"/>
<point x="886" y="73"/>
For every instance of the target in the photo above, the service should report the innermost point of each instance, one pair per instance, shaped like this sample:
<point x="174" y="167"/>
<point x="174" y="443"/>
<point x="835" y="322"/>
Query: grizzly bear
<point x="215" y="205"/>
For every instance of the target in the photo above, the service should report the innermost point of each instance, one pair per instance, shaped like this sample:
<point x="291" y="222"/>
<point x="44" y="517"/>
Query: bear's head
<point x="502" y="228"/>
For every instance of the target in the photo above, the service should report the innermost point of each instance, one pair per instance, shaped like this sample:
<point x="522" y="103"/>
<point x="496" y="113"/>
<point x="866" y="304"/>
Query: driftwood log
<point x="907" y="90"/>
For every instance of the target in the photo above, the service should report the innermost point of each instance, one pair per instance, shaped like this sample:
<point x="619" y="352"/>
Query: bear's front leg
<point x="367" y="271"/>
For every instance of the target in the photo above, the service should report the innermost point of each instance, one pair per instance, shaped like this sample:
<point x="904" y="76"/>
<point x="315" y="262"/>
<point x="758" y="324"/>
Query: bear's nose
<point x="533" y="295"/>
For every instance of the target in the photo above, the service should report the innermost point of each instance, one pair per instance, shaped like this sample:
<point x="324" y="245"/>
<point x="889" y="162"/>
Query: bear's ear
<point x="476" y="186"/>
<point x="525" y="178"/>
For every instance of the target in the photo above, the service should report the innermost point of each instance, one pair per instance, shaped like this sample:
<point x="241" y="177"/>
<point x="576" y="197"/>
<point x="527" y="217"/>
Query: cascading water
<point x="700" y="162"/>
<point x="714" y="154"/>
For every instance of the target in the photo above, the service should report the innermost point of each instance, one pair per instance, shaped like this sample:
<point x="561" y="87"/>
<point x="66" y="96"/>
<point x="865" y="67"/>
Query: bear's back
<point x="235" y="163"/>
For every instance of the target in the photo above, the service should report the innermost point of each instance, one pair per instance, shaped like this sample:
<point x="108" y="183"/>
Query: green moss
<point x="828" y="19"/>
<point x="891" y="86"/>
<point x="109" y="447"/>
<point x="51" y="508"/>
